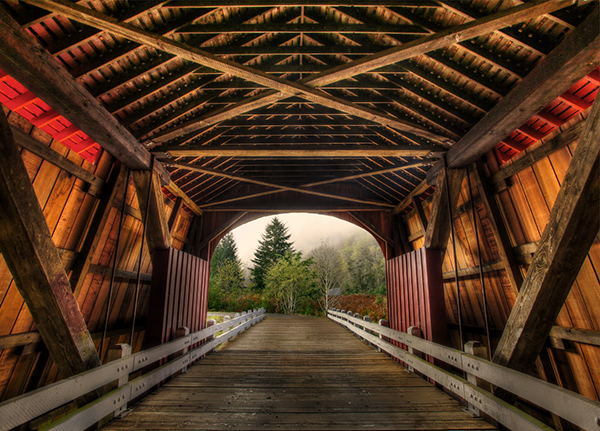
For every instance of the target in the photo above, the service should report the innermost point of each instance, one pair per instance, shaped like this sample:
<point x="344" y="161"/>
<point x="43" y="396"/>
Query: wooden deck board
<point x="302" y="374"/>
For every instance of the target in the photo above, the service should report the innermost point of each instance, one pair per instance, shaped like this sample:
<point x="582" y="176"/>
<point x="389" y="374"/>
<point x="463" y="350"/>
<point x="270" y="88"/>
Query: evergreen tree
<point x="275" y="244"/>
<point x="225" y="252"/>
<point x="226" y="275"/>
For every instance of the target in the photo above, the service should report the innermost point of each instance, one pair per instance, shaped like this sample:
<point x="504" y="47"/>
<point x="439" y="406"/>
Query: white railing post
<point x="385" y="324"/>
<point x="210" y="323"/>
<point x="118" y="351"/>
<point x="182" y="331"/>
<point x="367" y="319"/>
<point x="415" y="331"/>
<point x="475" y="348"/>
<point x="227" y="319"/>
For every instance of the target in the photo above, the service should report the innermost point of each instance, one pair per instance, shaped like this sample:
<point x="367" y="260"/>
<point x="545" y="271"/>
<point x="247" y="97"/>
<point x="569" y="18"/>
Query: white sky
<point x="307" y="231"/>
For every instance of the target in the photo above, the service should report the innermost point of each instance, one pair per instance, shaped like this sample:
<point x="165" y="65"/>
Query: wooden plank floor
<point x="298" y="373"/>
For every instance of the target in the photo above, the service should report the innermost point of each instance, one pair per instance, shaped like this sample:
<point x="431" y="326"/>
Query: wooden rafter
<point x="576" y="56"/>
<point x="94" y="19"/>
<point x="22" y="58"/>
<point x="366" y="64"/>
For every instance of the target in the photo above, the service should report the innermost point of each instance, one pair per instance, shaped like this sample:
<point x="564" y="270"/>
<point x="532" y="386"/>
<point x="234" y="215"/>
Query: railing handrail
<point x="21" y="409"/>
<point x="569" y="405"/>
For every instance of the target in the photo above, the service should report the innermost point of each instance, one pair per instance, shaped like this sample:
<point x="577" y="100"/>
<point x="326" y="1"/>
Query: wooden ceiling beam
<point x="570" y="232"/>
<point x="22" y="57"/>
<point x="302" y="28"/>
<point x="214" y="172"/>
<point x="296" y="3"/>
<point x="106" y="23"/>
<point x="576" y="56"/>
<point x="369" y="63"/>
<point x="369" y="174"/>
<point x="175" y="190"/>
<point x="470" y="30"/>
<point x="303" y="151"/>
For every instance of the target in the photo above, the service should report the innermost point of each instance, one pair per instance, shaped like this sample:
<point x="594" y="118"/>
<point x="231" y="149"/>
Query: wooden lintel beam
<point x="439" y="227"/>
<point x="573" y="224"/>
<point x="576" y="56"/>
<point x="371" y="228"/>
<point x="22" y="57"/>
<point x="473" y="270"/>
<point x="157" y="229"/>
<point x="278" y="188"/>
<point x="128" y="31"/>
<point x="33" y="260"/>
<point x="340" y="151"/>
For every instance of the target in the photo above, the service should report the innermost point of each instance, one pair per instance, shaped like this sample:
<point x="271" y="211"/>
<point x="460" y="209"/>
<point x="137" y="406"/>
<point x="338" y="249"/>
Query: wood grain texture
<point x="298" y="373"/>
<point x="33" y="259"/>
<point x="567" y="238"/>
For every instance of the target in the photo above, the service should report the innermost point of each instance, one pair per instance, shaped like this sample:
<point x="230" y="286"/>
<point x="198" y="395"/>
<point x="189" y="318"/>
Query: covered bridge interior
<point x="137" y="134"/>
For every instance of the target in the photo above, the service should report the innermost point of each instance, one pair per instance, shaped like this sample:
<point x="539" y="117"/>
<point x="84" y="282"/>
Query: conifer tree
<point x="275" y="244"/>
<point x="225" y="252"/>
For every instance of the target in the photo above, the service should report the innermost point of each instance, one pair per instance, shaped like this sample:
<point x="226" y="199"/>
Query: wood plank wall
<point x="526" y="204"/>
<point x="179" y="295"/>
<point x="68" y="207"/>
<point x="415" y="294"/>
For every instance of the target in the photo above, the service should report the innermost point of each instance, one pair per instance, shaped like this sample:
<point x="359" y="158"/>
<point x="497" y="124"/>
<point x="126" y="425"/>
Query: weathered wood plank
<point x="32" y="258"/>
<point x="23" y="58"/>
<point x="149" y="193"/>
<point x="567" y="238"/>
<point x="447" y="191"/>
<point x="295" y="372"/>
<point x="576" y="56"/>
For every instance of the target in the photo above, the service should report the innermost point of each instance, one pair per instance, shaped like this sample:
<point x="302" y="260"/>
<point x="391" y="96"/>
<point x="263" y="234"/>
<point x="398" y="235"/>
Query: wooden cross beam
<point x="30" y="254"/>
<point x="405" y="51"/>
<point x="565" y="243"/>
<point x="439" y="227"/>
<point x="149" y="192"/>
<point x="339" y="151"/>
<point x="108" y="24"/>
<point x="279" y="188"/>
<point x="22" y="57"/>
<point x="576" y="56"/>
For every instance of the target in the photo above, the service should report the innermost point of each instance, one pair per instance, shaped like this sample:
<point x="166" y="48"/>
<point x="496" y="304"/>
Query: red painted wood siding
<point x="178" y="297"/>
<point x="416" y="294"/>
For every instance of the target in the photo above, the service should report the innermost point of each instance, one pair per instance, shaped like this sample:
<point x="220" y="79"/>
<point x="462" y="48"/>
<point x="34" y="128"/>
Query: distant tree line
<point x="283" y="280"/>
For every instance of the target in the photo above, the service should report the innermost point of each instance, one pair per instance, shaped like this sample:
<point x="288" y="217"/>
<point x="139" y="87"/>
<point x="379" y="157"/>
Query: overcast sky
<point x="307" y="231"/>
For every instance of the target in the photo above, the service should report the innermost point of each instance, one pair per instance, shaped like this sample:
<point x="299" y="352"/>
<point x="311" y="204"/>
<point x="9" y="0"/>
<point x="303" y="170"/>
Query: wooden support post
<point x="157" y="232"/>
<point x="499" y="228"/>
<point x="567" y="238"/>
<point x="439" y="227"/>
<point x="174" y="214"/>
<point x="30" y="254"/>
<point x="420" y="213"/>
<point x="92" y="237"/>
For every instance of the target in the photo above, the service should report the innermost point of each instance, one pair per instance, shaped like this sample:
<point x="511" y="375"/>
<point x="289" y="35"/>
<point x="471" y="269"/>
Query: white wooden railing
<point x="569" y="405"/>
<point x="24" y="408"/>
